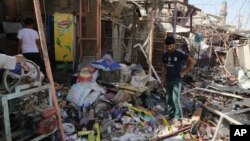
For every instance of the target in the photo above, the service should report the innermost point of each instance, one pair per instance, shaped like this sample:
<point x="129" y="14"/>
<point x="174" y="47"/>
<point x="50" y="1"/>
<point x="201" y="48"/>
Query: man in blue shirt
<point x="173" y="74"/>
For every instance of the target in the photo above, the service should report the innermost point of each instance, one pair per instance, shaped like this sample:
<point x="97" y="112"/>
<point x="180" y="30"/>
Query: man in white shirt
<point x="29" y="43"/>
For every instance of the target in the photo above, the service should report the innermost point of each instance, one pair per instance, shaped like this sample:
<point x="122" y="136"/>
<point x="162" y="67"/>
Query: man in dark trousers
<point x="173" y="74"/>
<point x="29" y="43"/>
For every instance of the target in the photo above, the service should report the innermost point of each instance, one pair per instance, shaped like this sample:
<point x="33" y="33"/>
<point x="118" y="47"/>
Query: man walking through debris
<point x="172" y="70"/>
<point x="29" y="43"/>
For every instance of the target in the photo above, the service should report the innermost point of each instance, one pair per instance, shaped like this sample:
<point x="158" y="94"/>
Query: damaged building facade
<point x="103" y="80"/>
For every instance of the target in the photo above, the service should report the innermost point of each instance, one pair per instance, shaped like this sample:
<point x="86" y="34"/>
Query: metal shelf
<point x="20" y="91"/>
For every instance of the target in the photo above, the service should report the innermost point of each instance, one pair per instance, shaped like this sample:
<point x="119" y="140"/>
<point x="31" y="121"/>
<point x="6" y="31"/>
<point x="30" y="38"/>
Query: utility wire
<point x="248" y="15"/>
<point x="244" y="10"/>
<point x="233" y="2"/>
<point x="238" y="11"/>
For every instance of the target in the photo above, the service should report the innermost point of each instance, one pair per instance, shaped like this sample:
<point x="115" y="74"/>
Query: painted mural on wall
<point x="63" y="36"/>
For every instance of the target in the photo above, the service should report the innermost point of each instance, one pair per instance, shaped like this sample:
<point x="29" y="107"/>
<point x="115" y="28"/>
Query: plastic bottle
<point x="109" y="127"/>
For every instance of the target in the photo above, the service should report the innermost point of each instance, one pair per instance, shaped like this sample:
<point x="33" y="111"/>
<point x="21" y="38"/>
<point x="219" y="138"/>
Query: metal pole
<point x="175" y="19"/>
<point x="198" y="60"/>
<point x="6" y="118"/>
<point x="151" y="39"/>
<point x="145" y="55"/>
<point x="132" y="59"/>
<point x="98" y="29"/>
<point x="221" y="93"/>
<point x="223" y="115"/>
<point x="217" y="128"/>
<point x="80" y="32"/>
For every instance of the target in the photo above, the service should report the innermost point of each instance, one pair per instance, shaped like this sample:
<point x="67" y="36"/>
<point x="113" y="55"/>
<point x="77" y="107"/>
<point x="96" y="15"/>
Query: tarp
<point x="167" y="27"/>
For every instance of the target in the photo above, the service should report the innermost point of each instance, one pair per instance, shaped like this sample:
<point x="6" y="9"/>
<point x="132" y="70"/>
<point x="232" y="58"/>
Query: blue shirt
<point x="173" y="63"/>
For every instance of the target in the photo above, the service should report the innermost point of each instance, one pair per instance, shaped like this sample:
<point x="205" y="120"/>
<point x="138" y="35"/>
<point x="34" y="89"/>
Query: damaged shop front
<point x="132" y="106"/>
<point x="109" y="87"/>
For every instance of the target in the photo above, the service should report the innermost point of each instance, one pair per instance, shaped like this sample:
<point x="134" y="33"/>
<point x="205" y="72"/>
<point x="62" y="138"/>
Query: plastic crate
<point x="110" y="76"/>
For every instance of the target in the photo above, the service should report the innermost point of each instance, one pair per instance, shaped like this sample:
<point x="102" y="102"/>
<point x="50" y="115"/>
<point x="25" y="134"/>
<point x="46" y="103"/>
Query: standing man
<point x="173" y="74"/>
<point x="29" y="43"/>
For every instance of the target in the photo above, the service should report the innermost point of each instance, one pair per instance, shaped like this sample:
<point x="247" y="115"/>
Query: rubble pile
<point x="99" y="106"/>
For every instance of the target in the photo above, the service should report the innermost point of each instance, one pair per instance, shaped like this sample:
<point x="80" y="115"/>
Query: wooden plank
<point x="189" y="137"/>
<point x="229" y="62"/>
<point x="171" y="134"/>
<point x="195" y="117"/>
<point x="197" y="114"/>
<point x="47" y="64"/>
<point x="246" y="49"/>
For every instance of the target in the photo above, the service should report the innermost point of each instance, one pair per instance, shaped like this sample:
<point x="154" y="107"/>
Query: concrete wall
<point x="244" y="56"/>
